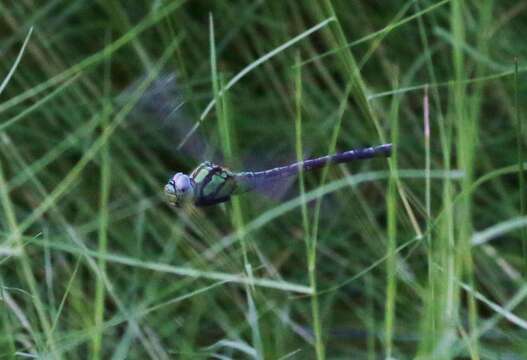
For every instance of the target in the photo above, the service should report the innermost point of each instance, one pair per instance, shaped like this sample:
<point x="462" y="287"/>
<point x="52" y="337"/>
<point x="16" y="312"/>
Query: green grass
<point x="421" y="256"/>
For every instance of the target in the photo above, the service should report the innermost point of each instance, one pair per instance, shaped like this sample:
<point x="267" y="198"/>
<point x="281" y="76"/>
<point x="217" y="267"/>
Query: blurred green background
<point x="422" y="256"/>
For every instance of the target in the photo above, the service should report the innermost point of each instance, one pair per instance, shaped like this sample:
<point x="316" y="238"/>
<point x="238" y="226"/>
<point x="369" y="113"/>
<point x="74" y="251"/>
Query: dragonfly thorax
<point x="214" y="184"/>
<point x="180" y="190"/>
<point x="208" y="184"/>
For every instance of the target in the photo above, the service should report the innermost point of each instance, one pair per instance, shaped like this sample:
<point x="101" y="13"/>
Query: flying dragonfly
<point x="211" y="184"/>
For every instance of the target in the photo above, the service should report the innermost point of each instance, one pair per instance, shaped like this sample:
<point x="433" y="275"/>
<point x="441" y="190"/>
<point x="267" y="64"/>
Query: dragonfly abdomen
<point x="252" y="179"/>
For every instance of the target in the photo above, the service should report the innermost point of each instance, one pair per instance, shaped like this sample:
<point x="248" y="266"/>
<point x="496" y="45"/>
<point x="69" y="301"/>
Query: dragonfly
<point x="211" y="184"/>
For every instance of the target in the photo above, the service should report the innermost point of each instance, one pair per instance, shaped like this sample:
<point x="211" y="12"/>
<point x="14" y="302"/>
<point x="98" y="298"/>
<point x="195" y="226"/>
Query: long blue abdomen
<point x="250" y="180"/>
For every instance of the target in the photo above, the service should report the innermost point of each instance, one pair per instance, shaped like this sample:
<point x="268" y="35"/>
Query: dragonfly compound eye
<point x="178" y="190"/>
<point x="181" y="183"/>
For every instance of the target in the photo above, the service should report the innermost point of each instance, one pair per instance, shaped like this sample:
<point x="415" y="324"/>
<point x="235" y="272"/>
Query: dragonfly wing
<point x="276" y="188"/>
<point x="273" y="188"/>
<point x="160" y="111"/>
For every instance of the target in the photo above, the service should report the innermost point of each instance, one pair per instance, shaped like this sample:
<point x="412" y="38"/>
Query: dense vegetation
<point x="421" y="256"/>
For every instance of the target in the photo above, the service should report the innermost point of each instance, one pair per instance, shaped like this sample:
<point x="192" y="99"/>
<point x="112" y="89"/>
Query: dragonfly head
<point x="179" y="190"/>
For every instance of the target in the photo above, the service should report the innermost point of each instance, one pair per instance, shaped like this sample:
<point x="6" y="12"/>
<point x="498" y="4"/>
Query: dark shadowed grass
<point x="421" y="256"/>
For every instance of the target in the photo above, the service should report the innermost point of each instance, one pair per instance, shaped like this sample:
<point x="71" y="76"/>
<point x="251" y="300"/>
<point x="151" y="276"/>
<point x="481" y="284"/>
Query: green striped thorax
<point x="208" y="184"/>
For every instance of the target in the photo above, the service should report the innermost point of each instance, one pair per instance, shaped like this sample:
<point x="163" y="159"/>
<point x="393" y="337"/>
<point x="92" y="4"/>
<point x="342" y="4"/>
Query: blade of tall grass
<point x="227" y="140"/>
<point x="310" y="242"/>
<point x="181" y="271"/>
<point x="17" y="61"/>
<point x="446" y="84"/>
<point x="521" y="159"/>
<point x="65" y="296"/>
<point x="482" y="237"/>
<point x="104" y="198"/>
<point x="466" y="138"/>
<point x="391" y="204"/>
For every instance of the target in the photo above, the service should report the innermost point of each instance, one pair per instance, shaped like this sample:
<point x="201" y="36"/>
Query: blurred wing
<point x="276" y="189"/>
<point x="160" y="112"/>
